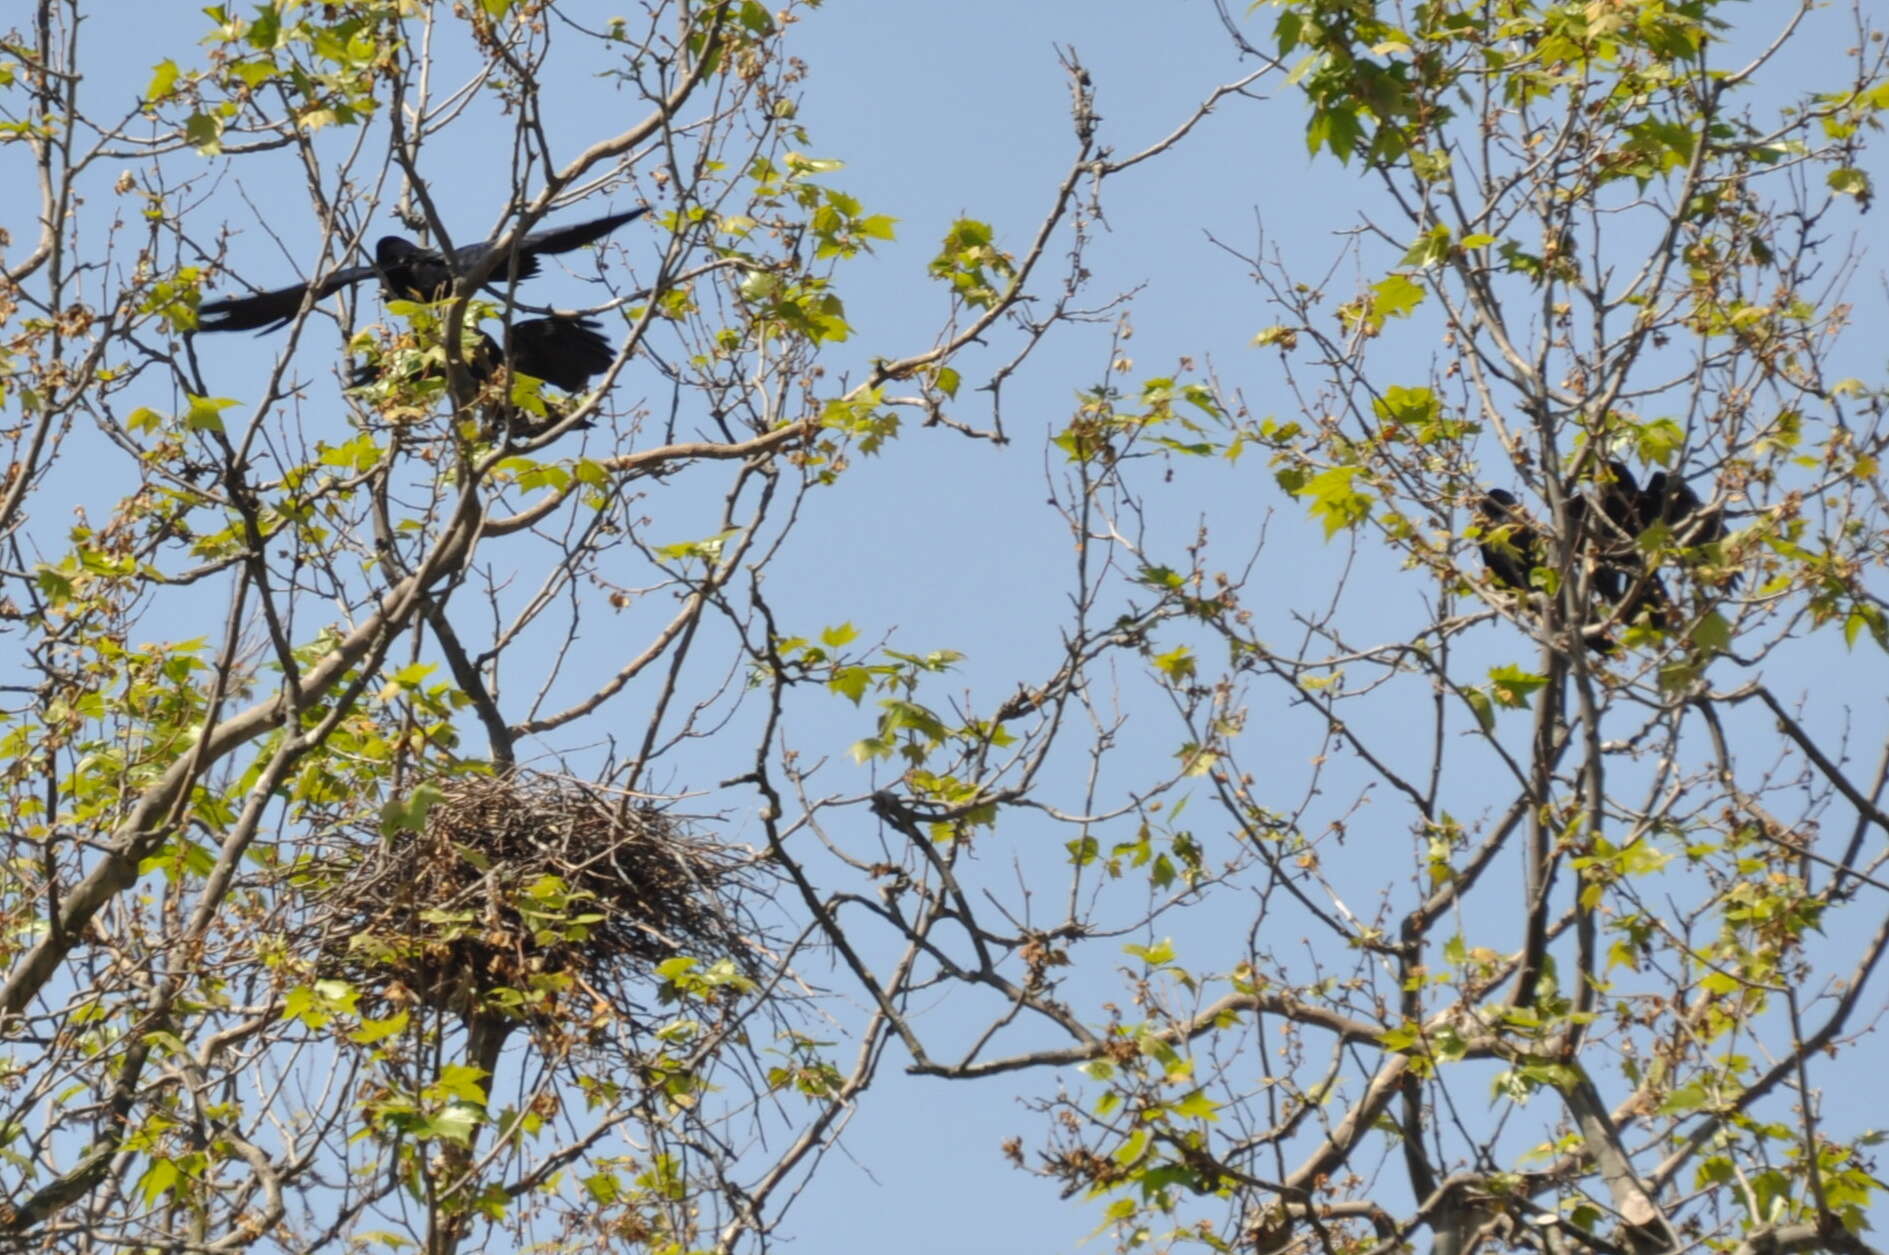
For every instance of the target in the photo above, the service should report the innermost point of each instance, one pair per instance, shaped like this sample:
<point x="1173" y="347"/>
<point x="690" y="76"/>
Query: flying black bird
<point x="408" y="272"/>
<point x="1510" y="545"/>
<point x="564" y="350"/>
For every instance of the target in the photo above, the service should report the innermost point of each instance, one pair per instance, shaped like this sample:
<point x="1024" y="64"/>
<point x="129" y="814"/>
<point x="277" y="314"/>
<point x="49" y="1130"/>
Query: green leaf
<point x="1660" y="441"/>
<point x="1407" y="405"/>
<point x="454" y="1124"/>
<point x="205" y="134"/>
<point x="163" y="81"/>
<point x="1334" y="500"/>
<point x="1431" y="249"/>
<point x="1196" y="760"/>
<point x="802" y="164"/>
<point x="1395" y="297"/>
<point x="850" y="683"/>
<point x="1719" y="983"/>
<point x="1712" y="633"/>
<point x="1177" y="664"/>
<point x="1197" y="1106"/>
<point x="528" y="395"/>
<point x="1511" y="686"/>
<point x="1482" y="707"/>
<point x="1130" y="1152"/>
<point x="462" y="1081"/>
<point x="708" y="549"/>
<point x="253" y="72"/>
<point x="410" y="675"/>
<point x="206" y="413"/>
<point x="372" y="1031"/>
<point x="1849" y="182"/>
<point x="357" y="454"/>
<point x="674" y="969"/>
<point x="1685" y="1098"/>
<point x="409" y="815"/>
<point x="157" y="1179"/>
<point x="1155" y="955"/>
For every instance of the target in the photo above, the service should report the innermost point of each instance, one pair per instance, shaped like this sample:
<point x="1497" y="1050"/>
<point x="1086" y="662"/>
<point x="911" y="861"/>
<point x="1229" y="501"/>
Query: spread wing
<point x="538" y="243"/>
<point x="265" y="311"/>
<point x="408" y="271"/>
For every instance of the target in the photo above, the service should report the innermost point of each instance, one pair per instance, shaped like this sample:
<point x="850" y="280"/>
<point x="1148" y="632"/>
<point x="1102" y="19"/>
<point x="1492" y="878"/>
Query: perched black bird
<point x="1670" y="501"/>
<point x="1609" y="538"/>
<point x="1512" y="548"/>
<point x="1620" y="561"/>
<point x="1510" y="545"/>
<point x="1620" y="499"/>
<point x="1587" y="536"/>
<point x="559" y="350"/>
<point x="562" y="349"/>
<point x="408" y="272"/>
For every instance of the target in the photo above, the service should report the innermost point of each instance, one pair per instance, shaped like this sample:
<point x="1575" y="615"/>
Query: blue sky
<point x="943" y="542"/>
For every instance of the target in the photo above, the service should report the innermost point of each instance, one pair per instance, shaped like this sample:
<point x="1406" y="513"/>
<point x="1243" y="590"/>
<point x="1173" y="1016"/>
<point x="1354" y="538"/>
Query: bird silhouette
<point x="1512" y="548"/>
<point x="1670" y="501"/>
<point x="1606" y="527"/>
<point x="1613" y="538"/>
<point x="1510" y="545"/>
<point x="563" y="349"/>
<point x="408" y="271"/>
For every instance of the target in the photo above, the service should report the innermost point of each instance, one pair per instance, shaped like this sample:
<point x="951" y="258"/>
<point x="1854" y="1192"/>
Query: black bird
<point x="1620" y="563"/>
<point x="408" y="272"/>
<point x="1510" y="545"/>
<point x="1670" y="500"/>
<point x="1620" y="499"/>
<point x="1584" y="534"/>
<point x="563" y="349"/>
<point x="1610" y="539"/>
<point x="1511" y="548"/>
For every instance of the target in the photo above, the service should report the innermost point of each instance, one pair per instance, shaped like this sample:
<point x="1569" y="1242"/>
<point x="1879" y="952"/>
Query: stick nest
<point x="519" y="887"/>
